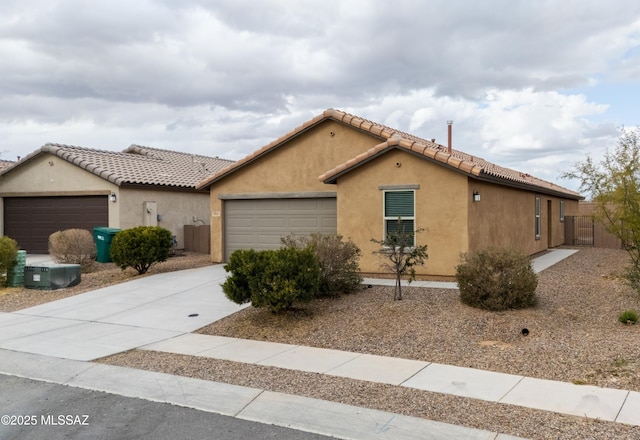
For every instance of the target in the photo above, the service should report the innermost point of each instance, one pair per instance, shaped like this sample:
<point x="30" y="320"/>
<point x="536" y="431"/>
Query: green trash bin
<point x="103" y="236"/>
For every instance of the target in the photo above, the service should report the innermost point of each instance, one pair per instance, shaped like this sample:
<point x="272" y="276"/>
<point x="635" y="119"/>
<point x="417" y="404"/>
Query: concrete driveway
<point x="121" y="317"/>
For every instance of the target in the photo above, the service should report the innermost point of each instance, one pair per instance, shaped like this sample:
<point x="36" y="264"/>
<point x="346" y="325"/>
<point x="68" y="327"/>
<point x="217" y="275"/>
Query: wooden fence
<point x="197" y="238"/>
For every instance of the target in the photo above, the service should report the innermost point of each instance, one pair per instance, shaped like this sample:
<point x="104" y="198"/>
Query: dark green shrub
<point x="274" y="278"/>
<point x="141" y="247"/>
<point x="246" y="267"/>
<point x="497" y="279"/>
<point x="8" y="254"/>
<point x="628" y="317"/>
<point x="338" y="260"/>
<point x="73" y="246"/>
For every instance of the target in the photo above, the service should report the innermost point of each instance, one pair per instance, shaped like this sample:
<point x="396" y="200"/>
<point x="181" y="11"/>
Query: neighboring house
<point x="5" y="164"/>
<point x="341" y="173"/>
<point x="60" y="187"/>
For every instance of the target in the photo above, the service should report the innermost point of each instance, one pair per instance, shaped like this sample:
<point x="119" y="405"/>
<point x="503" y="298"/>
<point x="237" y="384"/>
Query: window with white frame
<point x="399" y="204"/>
<point x="561" y="210"/>
<point x="538" y="219"/>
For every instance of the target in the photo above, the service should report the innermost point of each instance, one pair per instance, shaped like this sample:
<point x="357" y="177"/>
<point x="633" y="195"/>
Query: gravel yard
<point x="574" y="336"/>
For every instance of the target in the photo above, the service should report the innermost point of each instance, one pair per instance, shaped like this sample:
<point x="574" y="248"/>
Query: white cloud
<point x="226" y="77"/>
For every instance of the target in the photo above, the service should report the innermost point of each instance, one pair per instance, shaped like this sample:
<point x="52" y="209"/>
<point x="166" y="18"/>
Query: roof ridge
<point x="56" y="145"/>
<point x="144" y="148"/>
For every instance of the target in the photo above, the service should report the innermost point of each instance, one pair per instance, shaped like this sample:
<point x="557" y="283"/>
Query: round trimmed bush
<point x="497" y="279"/>
<point x="276" y="279"/>
<point x="141" y="247"/>
<point x="73" y="246"/>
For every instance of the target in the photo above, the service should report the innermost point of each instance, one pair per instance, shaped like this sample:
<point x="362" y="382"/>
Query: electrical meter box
<point x="51" y="276"/>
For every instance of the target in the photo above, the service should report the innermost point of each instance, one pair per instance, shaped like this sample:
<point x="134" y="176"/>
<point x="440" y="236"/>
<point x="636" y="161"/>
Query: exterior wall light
<point x="476" y="196"/>
<point x="112" y="197"/>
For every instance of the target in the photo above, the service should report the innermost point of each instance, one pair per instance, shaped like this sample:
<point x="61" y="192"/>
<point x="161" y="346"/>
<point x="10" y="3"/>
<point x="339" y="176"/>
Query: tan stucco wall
<point x="176" y="209"/>
<point x="293" y="167"/>
<point x="48" y="175"/>
<point x="505" y="217"/>
<point x="440" y="207"/>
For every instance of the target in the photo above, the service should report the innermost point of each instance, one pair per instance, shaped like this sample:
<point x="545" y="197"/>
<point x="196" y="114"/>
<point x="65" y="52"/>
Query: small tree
<point x="400" y="254"/>
<point x="140" y="247"/>
<point x="614" y="187"/>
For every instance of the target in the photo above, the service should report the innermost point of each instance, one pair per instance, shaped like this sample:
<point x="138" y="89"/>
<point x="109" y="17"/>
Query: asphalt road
<point x="35" y="410"/>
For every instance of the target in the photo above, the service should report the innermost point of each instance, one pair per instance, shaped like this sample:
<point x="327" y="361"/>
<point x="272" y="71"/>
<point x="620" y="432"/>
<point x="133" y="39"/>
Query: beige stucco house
<point x="341" y="173"/>
<point x="60" y="187"/>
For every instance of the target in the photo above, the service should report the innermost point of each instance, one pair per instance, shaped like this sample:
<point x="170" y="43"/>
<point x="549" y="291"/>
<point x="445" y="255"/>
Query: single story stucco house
<point x="339" y="173"/>
<point x="60" y="187"/>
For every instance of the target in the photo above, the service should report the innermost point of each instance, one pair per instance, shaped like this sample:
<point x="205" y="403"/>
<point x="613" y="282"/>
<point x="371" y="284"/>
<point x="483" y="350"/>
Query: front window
<point x="399" y="205"/>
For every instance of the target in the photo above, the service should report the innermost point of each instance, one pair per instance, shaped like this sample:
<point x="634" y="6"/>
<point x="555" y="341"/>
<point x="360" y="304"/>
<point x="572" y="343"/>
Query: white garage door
<point x="259" y="224"/>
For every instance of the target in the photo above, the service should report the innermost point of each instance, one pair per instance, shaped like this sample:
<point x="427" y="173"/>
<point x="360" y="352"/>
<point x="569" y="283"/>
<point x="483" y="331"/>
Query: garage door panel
<point x="302" y="222"/>
<point x="260" y="224"/>
<point x="31" y="220"/>
<point x="277" y="223"/>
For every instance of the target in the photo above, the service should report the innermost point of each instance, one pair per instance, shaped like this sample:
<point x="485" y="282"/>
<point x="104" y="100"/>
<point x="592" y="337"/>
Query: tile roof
<point x="136" y="165"/>
<point x="395" y="139"/>
<point x="5" y="164"/>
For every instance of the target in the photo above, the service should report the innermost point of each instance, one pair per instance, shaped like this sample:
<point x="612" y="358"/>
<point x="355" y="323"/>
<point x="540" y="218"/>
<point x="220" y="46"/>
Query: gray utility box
<point x="51" y="276"/>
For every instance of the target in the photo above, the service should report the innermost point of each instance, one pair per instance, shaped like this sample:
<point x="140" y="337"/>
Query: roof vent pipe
<point x="449" y="124"/>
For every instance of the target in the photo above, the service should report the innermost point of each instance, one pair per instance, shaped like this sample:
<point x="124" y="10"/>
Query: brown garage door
<point x="30" y="220"/>
<point x="259" y="224"/>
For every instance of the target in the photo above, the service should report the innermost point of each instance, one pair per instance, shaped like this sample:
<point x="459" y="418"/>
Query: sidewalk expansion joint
<point x="510" y="389"/>
<point x="237" y="414"/>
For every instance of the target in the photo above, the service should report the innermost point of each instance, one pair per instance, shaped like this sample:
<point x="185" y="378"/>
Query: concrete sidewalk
<point x="301" y="413"/>
<point x="579" y="400"/>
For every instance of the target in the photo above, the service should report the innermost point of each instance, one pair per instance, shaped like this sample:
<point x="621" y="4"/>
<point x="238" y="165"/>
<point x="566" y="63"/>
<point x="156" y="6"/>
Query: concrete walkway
<point x="51" y="341"/>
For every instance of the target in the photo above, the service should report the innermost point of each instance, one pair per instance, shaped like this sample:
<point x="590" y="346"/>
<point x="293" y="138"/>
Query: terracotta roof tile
<point x="136" y="164"/>
<point x="457" y="159"/>
<point x="6" y="164"/>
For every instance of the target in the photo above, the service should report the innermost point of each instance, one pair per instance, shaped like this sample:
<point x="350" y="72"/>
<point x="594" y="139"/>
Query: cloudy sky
<point x="532" y="85"/>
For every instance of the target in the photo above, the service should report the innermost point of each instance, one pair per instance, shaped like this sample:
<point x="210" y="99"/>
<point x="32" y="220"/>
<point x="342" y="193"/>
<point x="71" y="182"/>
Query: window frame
<point x="386" y="218"/>
<point x="538" y="217"/>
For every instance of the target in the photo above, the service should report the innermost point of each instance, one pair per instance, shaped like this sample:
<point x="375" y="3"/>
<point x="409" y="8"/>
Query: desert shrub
<point x="497" y="279"/>
<point x="273" y="278"/>
<point x="628" y="317"/>
<point x="338" y="260"/>
<point x="141" y="247"/>
<point x="73" y="246"/>
<point x="8" y="254"/>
